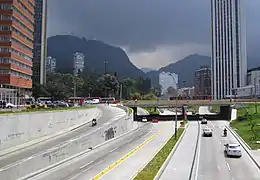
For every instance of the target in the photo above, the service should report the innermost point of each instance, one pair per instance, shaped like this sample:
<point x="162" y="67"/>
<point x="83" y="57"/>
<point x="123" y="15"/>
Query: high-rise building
<point x="50" y="64"/>
<point x="203" y="82"/>
<point x="229" y="61"/>
<point x="16" y="48"/>
<point x="39" y="52"/>
<point x="78" y="62"/>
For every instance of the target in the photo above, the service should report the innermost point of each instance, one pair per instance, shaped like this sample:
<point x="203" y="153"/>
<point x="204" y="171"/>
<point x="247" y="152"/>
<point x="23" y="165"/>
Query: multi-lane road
<point x="107" y="114"/>
<point x="210" y="163"/>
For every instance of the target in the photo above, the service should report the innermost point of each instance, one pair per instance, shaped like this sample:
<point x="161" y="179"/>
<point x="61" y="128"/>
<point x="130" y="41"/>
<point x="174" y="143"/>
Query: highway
<point x="108" y="114"/>
<point x="210" y="162"/>
<point x="97" y="160"/>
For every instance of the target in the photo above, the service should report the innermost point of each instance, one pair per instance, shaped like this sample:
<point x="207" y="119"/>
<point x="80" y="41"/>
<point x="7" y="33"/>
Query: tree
<point x="40" y="90"/>
<point x="62" y="85"/>
<point x="171" y="92"/>
<point x="108" y="84"/>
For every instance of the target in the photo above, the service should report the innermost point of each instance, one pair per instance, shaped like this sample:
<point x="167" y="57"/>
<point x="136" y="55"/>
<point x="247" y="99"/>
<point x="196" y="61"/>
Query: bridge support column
<point x="135" y="113"/>
<point x="184" y="113"/>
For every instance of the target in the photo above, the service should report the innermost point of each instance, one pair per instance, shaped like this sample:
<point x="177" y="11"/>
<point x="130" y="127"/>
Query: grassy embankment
<point x="152" y="168"/>
<point x="14" y="110"/>
<point x="152" y="110"/>
<point x="247" y="124"/>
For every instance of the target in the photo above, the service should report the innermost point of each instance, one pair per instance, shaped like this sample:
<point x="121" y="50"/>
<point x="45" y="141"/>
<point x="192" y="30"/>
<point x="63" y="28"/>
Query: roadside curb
<point x="244" y="145"/>
<point x="45" y="138"/>
<point x="166" y="162"/>
<point x="63" y="162"/>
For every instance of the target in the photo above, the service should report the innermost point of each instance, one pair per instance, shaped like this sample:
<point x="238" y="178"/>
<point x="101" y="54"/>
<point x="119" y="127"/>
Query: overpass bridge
<point x="178" y="103"/>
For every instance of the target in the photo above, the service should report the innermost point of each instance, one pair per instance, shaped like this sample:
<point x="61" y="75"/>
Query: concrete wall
<point x="16" y="129"/>
<point x="69" y="148"/>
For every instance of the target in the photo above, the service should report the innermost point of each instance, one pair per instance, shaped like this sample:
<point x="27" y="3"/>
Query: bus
<point x="108" y="99"/>
<point x="79" y="100"/>
<point x="93" y="100"/>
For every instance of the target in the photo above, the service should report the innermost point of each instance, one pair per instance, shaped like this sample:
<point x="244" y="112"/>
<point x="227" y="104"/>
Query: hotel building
<point x="16" y="48"/>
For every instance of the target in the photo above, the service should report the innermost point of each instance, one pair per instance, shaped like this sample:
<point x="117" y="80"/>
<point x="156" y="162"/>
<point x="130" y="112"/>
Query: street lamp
<point x="105" y="65"/>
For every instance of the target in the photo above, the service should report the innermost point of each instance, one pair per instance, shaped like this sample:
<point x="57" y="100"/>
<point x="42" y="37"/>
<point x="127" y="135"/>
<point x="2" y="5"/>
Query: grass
<point x="152" y="110"/>
<point x="152" y="168"/>
<point x="44" y="109"/>
<point x="243" y="125"/>
<point x="130" y="110"/>
<point x="215" y="108"/>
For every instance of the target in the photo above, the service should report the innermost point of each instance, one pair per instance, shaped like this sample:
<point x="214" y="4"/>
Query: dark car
<point x="204" y="121"/>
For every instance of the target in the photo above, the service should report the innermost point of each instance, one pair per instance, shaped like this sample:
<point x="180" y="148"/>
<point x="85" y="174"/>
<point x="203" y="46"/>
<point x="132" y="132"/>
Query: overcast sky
<point x="152" y="32"/>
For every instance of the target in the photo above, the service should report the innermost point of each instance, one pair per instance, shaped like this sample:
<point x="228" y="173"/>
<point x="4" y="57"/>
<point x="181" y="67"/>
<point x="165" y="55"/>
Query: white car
<point x="233" y="150"/>
<point x="144" y="119"/>
<point x="207" y="132"/>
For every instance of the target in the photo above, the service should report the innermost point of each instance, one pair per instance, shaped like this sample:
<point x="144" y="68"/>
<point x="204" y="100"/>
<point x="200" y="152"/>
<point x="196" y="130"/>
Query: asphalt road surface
<point x="95" y="161"/>
<point x="108" y="113"/>
<point x="211" y="162"/>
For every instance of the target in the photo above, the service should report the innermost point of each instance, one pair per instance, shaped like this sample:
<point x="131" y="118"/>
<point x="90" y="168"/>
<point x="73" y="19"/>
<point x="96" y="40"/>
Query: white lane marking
<point x="99" y="162"/>
<point x="80" y="173"/>
<point x="198" y="159"/>
<point x="228" y="167"/>
<point x="113" y="149"/>
<point x="86" y="165"/>
<point x="129" y="140"/>
<point x="218" y="167"/>
<point x="212" y="124"/>
<point x="220" y="142"/>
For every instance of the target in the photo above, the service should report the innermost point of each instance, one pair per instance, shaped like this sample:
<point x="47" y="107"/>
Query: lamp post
<point x="105" y="66"/>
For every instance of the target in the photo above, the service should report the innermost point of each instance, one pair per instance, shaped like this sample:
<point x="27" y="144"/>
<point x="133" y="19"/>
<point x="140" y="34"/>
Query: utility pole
<point x="121" y="91"/>
<point x="105" y="66"/>
<point x="176" y="118"/>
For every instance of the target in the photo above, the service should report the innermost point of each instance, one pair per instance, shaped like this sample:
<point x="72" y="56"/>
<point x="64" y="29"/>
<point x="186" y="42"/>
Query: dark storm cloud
<point x="140" y="24"/>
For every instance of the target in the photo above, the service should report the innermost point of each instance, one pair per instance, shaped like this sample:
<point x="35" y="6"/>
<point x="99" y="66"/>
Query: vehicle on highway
<point x="207" y="132"/>
<point x="204" y="121"/>
<point x="225" y="132"/>
<point x="144" y="119"/>
<point x="155" y="120"/>
<point x="94" y="122"/>
<point x="233" y="149"/>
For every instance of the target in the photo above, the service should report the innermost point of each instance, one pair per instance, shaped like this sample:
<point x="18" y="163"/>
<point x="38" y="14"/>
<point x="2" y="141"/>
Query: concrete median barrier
<point x="19" y="128"/>
<point x="67" y="149"/>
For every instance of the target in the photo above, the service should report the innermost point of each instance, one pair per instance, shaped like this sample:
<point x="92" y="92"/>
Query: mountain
<point x="186" y="68"/>
<point x="146" y="70"/>
<point x="62" y="47"/>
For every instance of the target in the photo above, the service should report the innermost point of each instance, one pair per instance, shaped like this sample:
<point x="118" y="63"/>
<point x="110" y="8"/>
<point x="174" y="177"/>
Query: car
<point x="155" y="120"/>
<point x="207" y="132"/>
<point x="204" y="121"/>
<point x="144" y="119"/>
<point x="233" y="149"/>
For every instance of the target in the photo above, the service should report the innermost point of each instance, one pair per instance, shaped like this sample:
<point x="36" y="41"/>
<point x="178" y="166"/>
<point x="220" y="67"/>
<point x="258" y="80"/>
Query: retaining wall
<point x="69" y="148"/>
<point x="19" y="128"/>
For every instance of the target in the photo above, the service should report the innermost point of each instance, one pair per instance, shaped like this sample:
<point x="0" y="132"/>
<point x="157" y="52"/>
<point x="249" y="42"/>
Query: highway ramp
<point x="210" y="162"/>
<point x="108" y="114"/>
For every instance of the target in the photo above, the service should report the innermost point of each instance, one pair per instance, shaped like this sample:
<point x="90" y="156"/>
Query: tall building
<point x="166" y="80"/>
<point x="39" y="52"/>
<point x="203" y="82"/>
<point x="253" y="76"/>
<point x="50" y="64"/>
<point x="78" y="62"/>
<point x="229" y="61"/>
<point x="16" y="48"/>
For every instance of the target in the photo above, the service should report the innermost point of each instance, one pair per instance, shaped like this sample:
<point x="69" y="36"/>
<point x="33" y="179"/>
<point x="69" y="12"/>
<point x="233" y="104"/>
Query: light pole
<point x="176" y="117"/>
<point x="255" y="95"/>
<point x="105" y="66"/>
